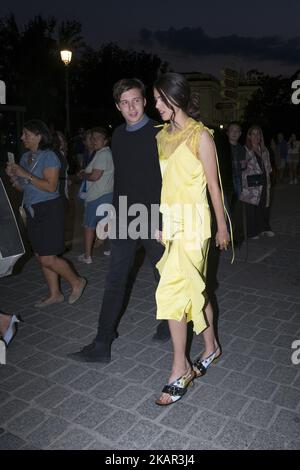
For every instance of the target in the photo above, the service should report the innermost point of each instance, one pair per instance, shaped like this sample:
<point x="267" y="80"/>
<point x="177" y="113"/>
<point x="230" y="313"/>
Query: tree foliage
<point x="271" y="105"/>
<point x="31" y="67"/>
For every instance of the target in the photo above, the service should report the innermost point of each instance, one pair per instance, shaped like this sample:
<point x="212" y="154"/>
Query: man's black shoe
<point x="94" y="352"/>
<point x="162" y="333"/>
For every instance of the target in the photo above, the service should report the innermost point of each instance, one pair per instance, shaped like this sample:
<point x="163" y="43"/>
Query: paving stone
<point x="284" y="341"/>
<point x="108" y="388"/>
<point x="51" y="344"/>
<point x="264" y="336"/>
<point x="130" y="397"/>
<point x="140" y="374"/>
<point x="259" y="413"/>
<point x="49" y="367"/>
<point x="74" y="439"/>
<point x="149" y="356"/>
<point x="262" y="351"/>
<point x="261" y="389"/>
<point x="283" y="315"/>
<point x="33" y="389"/>
<point x="288" y="424"/>
<point x="271" y="324"/>
<point x="236" y="382"/>
<point x="170" y="441"/>
<point x="265" y="440"/>
<point x="250" y="319"/>
<point x="259" y="368"/>
<point x="235" y="435"/>
<point x="67" y="374"/>
<point x="245" y="331"/>
<point x="16" y="381"/>
<point x="7" y="372"/>
<point x="230" y="404"/>
<point x="293" y="445"/>
<point x="120" y="365"/>
<point x="11" y="408"/>
<point x="48" y="432"/>
<point x="282" y="356"/>
<point x="9" y="441"/>
<point x="72" y="406"/>
<point x="282" y="305"/>
<point x="148" y="408"/>
<point x="204" y="395"/>
<point x="39" y="337"/>
<point x="287" y="397"/>
<point x="141" y="435"/>
<point x="179" y="417"/>
<point x="240" y="345"/>
<point x="289" y="328"/>
<point x="98" y="445"/>
<point x="130" y="349"/>
<point x="283" y="374"/>
<point x="206" y="425"/>
<point x="87" y="380"/>
<point x="53" y="396"/>
<point x="215" y="375"/>
<point x="94" y="415"/>
<point x="296" y="317"/>
<point x="245" y="307"/>
<point x="234" y="361"/>
<point x="25" y="422"/>
<point x="116" y="425"/>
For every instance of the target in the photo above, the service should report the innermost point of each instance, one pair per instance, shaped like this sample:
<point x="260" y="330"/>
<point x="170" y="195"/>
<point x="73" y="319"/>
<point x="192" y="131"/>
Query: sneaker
<point x="85" y="260"/>
<point x="254" y="238"/>
<point x="106" y="253"/>
<point x="269" y="233"/>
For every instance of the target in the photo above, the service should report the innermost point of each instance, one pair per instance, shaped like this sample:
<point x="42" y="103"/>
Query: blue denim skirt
<point x="90" y="219"/>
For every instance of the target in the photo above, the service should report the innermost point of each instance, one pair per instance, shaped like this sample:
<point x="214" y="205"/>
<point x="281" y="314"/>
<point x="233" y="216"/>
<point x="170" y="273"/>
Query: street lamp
<point x="66" y="57"/>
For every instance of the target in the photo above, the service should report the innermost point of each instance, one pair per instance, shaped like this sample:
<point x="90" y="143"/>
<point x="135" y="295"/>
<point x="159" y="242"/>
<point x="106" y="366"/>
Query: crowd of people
<point x="174" y="167"/>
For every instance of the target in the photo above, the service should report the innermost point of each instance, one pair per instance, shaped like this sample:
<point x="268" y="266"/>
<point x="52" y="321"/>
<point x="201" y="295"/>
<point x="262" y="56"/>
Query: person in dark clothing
<point x="224" y="154"/>
<point x="137" y="180"/>
<point x="238" y="162"/>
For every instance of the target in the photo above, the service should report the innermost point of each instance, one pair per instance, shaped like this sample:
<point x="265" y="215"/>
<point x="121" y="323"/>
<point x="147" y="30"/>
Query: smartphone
<point x="10" y="157"/>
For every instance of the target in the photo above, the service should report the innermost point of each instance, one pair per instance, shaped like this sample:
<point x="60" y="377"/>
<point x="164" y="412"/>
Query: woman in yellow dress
<point x="189" y="167"/>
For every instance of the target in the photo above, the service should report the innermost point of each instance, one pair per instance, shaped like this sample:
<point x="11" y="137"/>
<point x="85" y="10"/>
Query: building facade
<point x="216" y="110"/>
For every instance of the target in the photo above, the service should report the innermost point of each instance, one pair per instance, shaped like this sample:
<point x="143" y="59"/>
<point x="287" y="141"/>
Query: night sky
<point x="190" y="35"/>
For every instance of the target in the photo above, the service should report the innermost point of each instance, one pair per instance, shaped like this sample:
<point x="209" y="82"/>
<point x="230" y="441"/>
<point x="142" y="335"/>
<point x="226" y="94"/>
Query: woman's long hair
<point x="248" y="137"/>
<point x="175" y="90"/>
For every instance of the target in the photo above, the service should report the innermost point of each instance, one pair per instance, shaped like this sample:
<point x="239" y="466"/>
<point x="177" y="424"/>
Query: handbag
<point x="255" y="180"/>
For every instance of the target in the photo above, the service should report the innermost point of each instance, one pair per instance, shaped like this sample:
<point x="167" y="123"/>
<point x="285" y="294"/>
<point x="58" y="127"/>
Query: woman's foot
<point x="77" y="290"/>
<point x="8" y="327"/>
<point x="176" y="387"/>
<point x="53" y="299"/>
<point x="208" y="357"/>
<point x="4" y="323"/>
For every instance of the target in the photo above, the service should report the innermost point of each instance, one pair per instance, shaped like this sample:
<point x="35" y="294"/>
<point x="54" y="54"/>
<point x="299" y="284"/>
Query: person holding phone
<point x="37" y="177"/>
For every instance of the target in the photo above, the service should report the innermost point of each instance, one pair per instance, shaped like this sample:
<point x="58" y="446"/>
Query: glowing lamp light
<point x="66" y="56"/>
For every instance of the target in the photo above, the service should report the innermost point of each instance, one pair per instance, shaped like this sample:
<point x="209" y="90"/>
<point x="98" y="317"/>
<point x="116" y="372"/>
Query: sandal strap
<point x="173" y="390"/>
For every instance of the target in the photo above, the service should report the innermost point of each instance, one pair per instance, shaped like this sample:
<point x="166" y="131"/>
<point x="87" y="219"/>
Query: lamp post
<point x="66" y="57"/>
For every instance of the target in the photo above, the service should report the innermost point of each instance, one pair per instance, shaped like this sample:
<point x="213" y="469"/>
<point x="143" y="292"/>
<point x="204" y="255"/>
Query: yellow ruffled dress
<point x="186" y="226"/>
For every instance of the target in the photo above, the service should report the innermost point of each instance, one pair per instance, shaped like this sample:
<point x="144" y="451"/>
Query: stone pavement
<point x="249" y="400"/>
